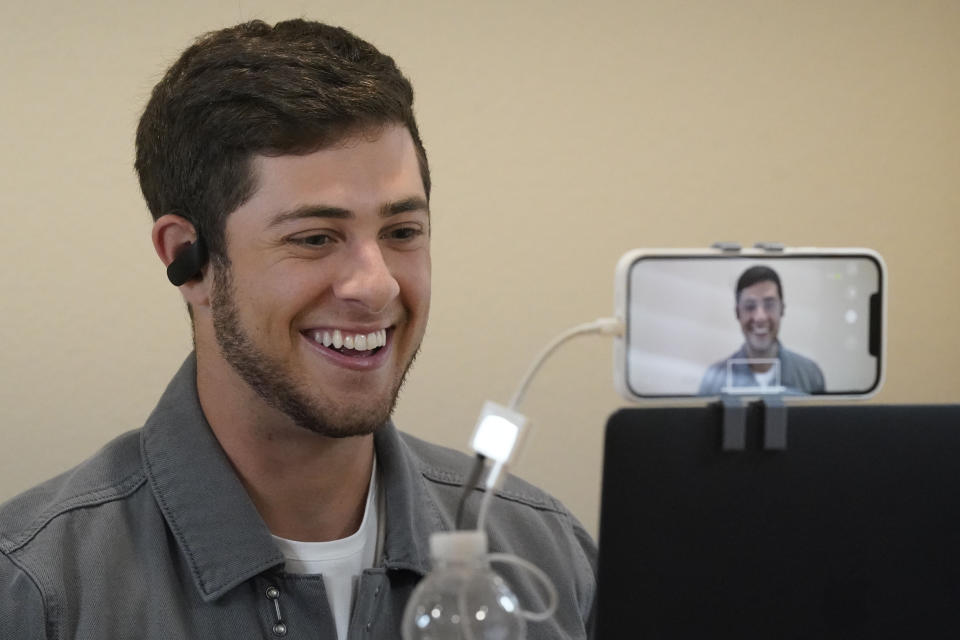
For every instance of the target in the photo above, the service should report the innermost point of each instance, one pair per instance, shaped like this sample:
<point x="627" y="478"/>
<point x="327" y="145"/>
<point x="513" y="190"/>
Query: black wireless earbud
<point x="188" y="264"/>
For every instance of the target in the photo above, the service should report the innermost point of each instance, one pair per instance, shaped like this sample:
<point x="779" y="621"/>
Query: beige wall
<point x="561" y="134"/>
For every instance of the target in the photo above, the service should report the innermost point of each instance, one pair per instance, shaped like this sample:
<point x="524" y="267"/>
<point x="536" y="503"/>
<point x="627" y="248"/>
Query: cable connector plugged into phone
<point x="609" y="326"/>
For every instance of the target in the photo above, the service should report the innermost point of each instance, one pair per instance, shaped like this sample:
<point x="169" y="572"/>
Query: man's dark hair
<point x="292" y="88"/>
<point x="760" y="273"/>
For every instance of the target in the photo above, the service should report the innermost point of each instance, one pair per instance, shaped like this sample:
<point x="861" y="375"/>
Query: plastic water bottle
<point x="462" y="598"/>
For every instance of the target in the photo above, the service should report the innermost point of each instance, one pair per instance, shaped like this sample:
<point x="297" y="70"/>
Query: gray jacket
<point x="799" y="374"/>
<point x="155" y="537"/>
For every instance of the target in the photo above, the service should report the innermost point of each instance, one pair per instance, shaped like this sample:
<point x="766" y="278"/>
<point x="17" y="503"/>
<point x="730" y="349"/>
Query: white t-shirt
<point x="340" y="562"/>
<point x="765" y="378"/>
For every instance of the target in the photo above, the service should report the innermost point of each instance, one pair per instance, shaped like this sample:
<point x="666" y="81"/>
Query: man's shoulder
<point x="798" y="359"/>
<point x="111" y="474"/>
<point x="719" y="366"/>
<point x="801" y="372"/>
<point x="445" y="466"/>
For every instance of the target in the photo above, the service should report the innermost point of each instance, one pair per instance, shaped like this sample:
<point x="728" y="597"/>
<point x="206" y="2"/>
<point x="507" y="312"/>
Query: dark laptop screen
<point x="852" y="532"/>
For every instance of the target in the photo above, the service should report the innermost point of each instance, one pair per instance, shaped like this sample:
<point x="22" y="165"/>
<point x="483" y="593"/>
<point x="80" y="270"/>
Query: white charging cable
<point x="496" y="439"/>
<point x="601" y="326"/>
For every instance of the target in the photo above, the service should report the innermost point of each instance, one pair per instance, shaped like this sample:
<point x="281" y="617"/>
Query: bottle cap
<point x="458" y="545"/>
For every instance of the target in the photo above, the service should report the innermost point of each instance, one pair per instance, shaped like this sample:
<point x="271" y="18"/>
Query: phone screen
<point x="792" y="324"/>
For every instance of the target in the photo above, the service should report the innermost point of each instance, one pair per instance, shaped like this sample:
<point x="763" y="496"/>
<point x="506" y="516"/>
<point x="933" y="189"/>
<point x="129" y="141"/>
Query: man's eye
<point x="313" y="240"/>
<point x="404" y="233"/>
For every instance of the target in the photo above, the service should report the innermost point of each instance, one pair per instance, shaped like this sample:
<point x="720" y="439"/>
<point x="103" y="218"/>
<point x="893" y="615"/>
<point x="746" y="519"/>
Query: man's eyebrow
<point x="414" y="203"/>
<point x="310" y="211"/>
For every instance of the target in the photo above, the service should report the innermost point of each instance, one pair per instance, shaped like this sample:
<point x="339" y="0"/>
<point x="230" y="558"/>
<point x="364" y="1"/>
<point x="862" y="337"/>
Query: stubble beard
<point x="271" y="380"/>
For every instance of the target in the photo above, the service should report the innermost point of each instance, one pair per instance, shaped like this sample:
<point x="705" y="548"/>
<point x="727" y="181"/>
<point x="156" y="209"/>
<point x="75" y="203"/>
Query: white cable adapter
<point x="497" y="436"/>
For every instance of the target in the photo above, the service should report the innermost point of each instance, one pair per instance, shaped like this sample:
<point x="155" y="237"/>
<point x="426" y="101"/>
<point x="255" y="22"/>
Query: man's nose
<point x="759" y="314"/>
<point x="366" y="279"/>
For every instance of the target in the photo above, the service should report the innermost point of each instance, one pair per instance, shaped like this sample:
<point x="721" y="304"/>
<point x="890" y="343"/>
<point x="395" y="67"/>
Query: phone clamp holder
<point x="727" y="247"/>
<point x="734" y="422"/>
<point x="771" y="247"/>
<point x="734" y="247"/>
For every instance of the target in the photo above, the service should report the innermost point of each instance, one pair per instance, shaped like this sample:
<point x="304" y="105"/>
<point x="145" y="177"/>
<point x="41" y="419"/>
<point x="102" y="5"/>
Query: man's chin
<point x="338" y="428"/>
<point x="332" y="420"/>
<point x="341" y="433"/>
<point x="761" y="347"/>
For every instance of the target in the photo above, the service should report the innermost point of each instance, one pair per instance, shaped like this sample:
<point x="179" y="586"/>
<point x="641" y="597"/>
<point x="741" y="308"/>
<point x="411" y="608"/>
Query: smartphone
<point x="797" y="322"/>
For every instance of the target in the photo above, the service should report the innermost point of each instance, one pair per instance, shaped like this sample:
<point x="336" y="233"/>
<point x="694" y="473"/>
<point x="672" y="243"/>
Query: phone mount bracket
<point x="727" y="247"/>
<point x="734" y="247"/>
<point x="774" y="423"/>
<point x="734" y="422"/>
<point x="772" y="247"/>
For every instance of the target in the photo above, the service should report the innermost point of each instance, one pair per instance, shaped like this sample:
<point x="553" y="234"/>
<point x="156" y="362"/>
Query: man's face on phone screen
<point x="759" y="310"/>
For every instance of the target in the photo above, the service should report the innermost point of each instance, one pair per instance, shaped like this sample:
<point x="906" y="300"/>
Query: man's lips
<point x="360" y="341"/>
<point x="353" y="349"/>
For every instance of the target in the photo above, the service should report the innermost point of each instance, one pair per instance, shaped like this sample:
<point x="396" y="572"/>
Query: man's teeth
<point x="355" y="341"/>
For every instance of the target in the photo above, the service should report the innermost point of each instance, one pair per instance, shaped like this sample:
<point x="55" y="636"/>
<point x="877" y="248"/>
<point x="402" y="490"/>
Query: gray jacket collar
<point x="742" y="351"/>
<point x="220" y="533"/>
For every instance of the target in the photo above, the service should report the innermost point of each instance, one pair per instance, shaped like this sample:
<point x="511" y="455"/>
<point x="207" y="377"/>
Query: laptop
<point x="853" y="531"/>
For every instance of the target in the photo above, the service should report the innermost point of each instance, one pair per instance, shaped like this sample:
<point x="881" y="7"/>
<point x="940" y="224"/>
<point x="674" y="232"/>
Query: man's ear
<point x="183" y="253"/>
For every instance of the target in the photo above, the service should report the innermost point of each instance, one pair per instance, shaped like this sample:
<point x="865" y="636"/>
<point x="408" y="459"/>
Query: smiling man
<point x="759" y="309"/>
<point x="269" y="495"/>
